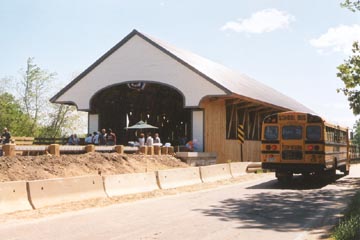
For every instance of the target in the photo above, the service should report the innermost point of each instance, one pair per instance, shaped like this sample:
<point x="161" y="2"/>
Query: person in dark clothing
<point x="5" y="136"/>
<point x="110" y="137"/>
<point x="102" y="137"/>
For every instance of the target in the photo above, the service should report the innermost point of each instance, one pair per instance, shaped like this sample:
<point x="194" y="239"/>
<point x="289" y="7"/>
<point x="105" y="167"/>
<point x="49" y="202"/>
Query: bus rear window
<point x="271" y="132"/>
<point x="313" y="133"/>
<point x="292" y="132"/>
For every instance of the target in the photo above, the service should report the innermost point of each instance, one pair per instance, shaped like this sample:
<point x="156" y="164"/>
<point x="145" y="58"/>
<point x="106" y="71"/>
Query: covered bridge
<point x="186" y="96"/>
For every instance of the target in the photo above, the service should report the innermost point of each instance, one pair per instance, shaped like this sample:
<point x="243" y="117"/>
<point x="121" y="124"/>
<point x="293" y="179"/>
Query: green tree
<point x="29" y="112"/>
<point x="351" y="5"/>
<point x="12" y="117"/>
<point x="356" y="139"/>
<point x="61" y="120"/>
<point x="349" y="73"/>
<point x="33" y="89"/>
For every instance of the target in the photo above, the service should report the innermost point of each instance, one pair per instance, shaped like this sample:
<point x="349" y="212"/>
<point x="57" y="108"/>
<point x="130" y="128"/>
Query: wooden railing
<point x="48" y="141"/>
<point x="37" y="141"/>
<point x="22" y="140"/>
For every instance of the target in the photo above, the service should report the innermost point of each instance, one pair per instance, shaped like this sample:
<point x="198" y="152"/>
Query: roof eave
<point x="93" y="66"/>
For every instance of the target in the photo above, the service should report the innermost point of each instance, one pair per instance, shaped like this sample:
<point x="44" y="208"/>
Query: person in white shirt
<point x="157" y="140"/>
<point x="149" y="140"/>
<point x="141" y="140"/>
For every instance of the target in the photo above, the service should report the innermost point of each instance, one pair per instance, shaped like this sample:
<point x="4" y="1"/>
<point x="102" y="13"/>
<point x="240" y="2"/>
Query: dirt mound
<point x="47" y="166"/>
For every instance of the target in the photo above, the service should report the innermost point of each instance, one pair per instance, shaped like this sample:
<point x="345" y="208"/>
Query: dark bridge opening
<point x="156" y="104"/>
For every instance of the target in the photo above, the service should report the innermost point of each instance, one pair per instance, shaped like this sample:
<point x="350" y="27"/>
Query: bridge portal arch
<point x="127" y="103"/>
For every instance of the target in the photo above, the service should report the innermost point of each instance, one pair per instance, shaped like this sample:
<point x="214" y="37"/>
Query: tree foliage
<point x="356" y="139"/>
<point x="33" y="90"/>
<point x="351" y="5"/>
<point x="349" y="73"/>
<point x="12" y="117"/>
<point x="29" y="113"/>
<point x="61" y="120"/>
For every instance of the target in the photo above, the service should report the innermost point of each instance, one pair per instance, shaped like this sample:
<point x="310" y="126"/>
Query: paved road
<point x="257" y="209"/>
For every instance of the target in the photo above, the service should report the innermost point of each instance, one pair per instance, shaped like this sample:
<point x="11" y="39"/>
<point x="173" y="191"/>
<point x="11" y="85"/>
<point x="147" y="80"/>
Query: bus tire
<point x="284" y="177"/>
<point x="343" y="169"/>
<point x="331" y="174"/>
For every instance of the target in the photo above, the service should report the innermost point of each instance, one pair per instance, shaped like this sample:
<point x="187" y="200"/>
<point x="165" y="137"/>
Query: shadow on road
<point x="285" y="210"/>
<point x="297" y="183"/>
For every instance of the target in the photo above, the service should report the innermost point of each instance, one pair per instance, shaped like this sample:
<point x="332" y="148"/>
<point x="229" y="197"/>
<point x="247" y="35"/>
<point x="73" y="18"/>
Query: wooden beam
<point x="246" y="105"/>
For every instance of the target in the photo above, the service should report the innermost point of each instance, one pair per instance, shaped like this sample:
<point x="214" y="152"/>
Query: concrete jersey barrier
<point x="62" y="190"/>
<point x="238" y="168"/>
<point x="178" y="177"/>
<point x="215" y="172"/>
<point x="122" y="184"/>
<point x="13" y="197"/>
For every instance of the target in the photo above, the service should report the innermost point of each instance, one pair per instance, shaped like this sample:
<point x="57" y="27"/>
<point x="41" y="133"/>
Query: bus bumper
<point x="293" y="167"/>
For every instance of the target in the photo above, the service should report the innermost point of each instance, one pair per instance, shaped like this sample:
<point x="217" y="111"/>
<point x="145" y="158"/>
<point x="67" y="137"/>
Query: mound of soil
<point x="48" y="166"/>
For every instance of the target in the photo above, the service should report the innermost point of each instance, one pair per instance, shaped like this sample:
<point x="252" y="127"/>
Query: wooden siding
<point x="215" y="136"/>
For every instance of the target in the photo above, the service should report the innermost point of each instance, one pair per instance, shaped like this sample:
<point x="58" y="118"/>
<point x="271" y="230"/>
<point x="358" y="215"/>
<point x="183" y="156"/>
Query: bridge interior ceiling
<point x="249" y="114"/>
<point x="156" y="104"/>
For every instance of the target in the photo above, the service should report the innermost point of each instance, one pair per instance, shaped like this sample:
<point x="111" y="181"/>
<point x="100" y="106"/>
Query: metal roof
<point x="232" y="82"/>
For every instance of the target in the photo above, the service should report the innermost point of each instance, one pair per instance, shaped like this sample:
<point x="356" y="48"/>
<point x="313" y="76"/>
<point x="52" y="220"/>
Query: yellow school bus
<point x="303" y="143"/>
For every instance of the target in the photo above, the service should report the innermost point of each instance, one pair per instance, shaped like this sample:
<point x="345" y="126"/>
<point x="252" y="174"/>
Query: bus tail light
<point x="271" y="147"/>
<point x="313" y="147"/>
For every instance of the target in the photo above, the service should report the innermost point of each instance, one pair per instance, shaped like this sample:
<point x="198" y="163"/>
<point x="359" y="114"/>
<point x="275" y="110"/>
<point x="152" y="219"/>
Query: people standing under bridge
<point x="102" y="137"/>
<point x="157" y="140"/>
<point x="141" y="139"/>
<point x="95" y="138"/>
<point x="88" y="139"/>
<point x="110" y="137"/>
<point x="149" y="140"/>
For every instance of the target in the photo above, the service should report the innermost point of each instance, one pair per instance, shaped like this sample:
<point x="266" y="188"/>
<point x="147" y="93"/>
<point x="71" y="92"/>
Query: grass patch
<point x="349" y="226"/>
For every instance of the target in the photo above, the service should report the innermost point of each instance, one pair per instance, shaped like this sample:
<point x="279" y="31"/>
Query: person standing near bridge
<point x="110" y="137"/>
<point x="5" y="136"/>
<point x="102" y="137"/>
<point x="157" y="140"/>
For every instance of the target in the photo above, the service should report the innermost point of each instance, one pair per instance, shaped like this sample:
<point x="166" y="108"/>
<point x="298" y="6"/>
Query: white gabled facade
<point x="138" y="60"/>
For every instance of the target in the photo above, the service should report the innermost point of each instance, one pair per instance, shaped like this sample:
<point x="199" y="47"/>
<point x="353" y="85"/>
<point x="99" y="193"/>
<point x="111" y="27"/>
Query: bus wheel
<point x="307" y="175"/>
<point x="343" y="169"/>
<point x="330" y="175"/>
<point x="284" y="177"/>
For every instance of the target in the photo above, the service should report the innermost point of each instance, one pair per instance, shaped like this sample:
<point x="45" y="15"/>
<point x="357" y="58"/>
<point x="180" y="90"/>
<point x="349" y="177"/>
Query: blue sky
<point x="292" y="46"/>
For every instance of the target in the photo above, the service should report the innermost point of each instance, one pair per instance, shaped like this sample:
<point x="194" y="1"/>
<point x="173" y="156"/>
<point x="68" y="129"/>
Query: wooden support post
<point x="170" y="150"/>
<point x="90" y="148"/>
<point x="164" y="150"/>
<point x="119" y="149"/>
<point x="157" y="150"/>
<point x="143" y="149"/>
<point x="54" y="149"/>
<point x="150" y="150"/>
<point x="8" y="149"/>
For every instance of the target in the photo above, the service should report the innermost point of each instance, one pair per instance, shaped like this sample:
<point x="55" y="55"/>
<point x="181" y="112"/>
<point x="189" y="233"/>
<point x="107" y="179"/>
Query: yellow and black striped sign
<point x="240" y="133"/>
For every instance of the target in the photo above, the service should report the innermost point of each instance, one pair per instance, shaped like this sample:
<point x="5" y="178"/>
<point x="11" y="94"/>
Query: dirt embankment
<point x="47" y="166"/>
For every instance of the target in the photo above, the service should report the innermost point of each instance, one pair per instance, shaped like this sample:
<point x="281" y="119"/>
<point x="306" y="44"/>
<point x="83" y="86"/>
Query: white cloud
<point x="338" y="39"/>
<point x="267" y="20"/>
